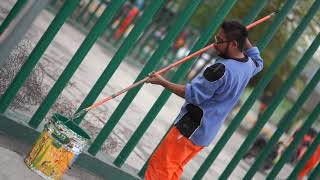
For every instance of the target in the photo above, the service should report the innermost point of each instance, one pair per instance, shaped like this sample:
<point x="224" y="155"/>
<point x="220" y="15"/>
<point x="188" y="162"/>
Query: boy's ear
<point x="234" y="43"/>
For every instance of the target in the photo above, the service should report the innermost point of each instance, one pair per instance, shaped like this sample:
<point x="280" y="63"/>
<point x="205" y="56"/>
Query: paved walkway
<point x="13" y="168"/>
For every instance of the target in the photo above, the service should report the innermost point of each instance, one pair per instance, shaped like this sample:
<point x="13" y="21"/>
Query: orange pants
<point x="310" y="164"/>
<point x="171" y="156"/>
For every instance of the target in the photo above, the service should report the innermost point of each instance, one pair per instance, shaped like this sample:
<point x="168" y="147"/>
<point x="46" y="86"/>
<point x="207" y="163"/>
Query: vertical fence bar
<point x="306" y="157"/>
<point x="254" y="95"/>
<point x="315" y="173"/>
<point x="119" y="56"/>
<point x="36" y="53"/>
<point x="94" y="13"/>
<point x="179" y="75"/>
<point x="84" y="10"/>
<point x="53" y="2"/>
<point x="275" y="100"/>
<point x="281" y="16"/>
<point x="183" y="18"/>
<point x="291" y="148"/>
<point x="76" y="60"/>
<point x="279" y="96"/>
<point x="289" y="117"/>
<point x="144" y="44"/>
<point x="162" y="23"/>
<point x="253" y="13"/>
<point x="15" y="33"/>
<point x="12" y="14"/>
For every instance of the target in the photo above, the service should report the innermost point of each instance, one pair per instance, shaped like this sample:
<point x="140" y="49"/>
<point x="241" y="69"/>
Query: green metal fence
<point x="102" y="25"/>
<point x="12" y="14"/>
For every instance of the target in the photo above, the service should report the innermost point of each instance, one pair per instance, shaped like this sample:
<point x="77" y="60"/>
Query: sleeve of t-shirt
<point x="202" y="88"/>
<point x="254" y="54"/>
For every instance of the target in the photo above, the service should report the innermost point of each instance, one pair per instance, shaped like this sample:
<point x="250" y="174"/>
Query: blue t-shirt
<point x="211" y="96"/>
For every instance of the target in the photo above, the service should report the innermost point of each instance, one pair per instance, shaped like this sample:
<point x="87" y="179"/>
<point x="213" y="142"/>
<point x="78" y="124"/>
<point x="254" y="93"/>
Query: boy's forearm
<point x="177" y="89"/>
<point x="247" y="44"/>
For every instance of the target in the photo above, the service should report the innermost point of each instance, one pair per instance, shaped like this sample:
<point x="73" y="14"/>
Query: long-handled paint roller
<point x="250" y="26"/>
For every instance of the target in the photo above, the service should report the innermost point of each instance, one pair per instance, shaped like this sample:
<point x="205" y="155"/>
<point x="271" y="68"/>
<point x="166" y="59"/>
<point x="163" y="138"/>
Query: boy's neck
<point x="237" y="55"/>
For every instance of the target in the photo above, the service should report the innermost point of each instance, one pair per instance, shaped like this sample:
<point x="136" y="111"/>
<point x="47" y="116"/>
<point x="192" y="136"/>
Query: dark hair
<point x="235" y="31"/>
<point x="312" y="132"/>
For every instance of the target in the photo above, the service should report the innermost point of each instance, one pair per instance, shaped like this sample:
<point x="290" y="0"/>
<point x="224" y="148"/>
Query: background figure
<point x="138" y="5"/>
<point x="310" y="164"/>
<point x="180" y="41"/>
<point x="126" y="22"/>
<point x="264" y="102"/>
<point x="258" y="146"/>
<point x="303" y="145"/>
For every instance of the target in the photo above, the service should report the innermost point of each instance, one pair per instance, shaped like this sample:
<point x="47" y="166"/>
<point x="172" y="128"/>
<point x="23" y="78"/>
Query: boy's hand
<point x="155" y="79"/>
<point x="247" y="44"/>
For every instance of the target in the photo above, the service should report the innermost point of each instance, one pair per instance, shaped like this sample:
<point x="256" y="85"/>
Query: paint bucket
<point x="57" y="147"/>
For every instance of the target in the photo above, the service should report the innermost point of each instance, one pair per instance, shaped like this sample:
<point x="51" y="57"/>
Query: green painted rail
<point x="37" y="52"/>
<point x="76" y="60"/>
<point x="12" y="14"/>
<point x="151" y="64"/>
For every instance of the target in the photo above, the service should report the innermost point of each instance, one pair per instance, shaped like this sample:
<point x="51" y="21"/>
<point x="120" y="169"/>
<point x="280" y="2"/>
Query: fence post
<point x="12" y="14"/>
<point x="53" y="2"/>
<point x="119" y="56"/>
<point x="36" y="53"/>
<point x="76" y="60"/>
<point x="18" y="28"/>
<point x="253" y="13"/>
<point x="183" y="17"/>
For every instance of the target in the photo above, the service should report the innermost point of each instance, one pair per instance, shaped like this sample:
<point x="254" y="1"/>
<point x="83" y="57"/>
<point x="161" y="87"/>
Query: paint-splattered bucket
<point x="58" y="146"/>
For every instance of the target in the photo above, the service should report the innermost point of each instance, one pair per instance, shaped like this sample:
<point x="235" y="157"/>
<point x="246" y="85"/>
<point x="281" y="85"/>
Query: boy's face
<point x="223" y="45"/>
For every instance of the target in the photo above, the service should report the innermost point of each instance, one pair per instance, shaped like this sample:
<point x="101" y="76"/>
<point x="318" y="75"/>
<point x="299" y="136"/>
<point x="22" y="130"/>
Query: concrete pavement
<point x="13" y="168"/>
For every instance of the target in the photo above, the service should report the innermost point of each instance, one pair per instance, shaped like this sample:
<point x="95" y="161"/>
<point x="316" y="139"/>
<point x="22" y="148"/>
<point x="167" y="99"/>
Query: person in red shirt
<point x="304" y="144"/>
<point x="126" y="22"/>
<point x="315" y="158"/>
